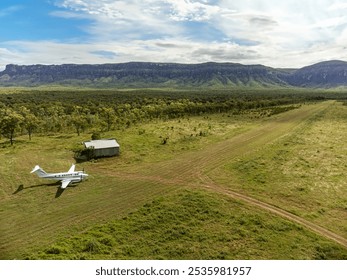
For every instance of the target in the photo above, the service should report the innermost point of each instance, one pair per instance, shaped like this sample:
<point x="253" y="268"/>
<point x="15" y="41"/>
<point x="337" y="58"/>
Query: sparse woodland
<point x="74" y="111"/>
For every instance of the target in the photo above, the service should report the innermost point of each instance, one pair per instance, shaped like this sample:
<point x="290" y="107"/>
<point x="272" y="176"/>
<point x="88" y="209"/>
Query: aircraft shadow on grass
<point x="58" y="193"/>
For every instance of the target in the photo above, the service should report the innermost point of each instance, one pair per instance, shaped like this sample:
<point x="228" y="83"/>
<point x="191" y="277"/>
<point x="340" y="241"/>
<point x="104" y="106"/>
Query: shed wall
<point x="107" y="152"/>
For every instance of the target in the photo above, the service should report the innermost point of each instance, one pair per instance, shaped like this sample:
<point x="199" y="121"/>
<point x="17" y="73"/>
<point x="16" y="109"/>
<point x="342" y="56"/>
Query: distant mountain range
<point x="328" y="74"/>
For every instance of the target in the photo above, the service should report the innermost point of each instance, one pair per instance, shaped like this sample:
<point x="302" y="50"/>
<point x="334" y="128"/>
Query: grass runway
<point x="151" y="182"/>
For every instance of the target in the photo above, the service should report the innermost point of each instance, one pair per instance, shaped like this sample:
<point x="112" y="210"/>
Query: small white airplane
<point x="66" y="178"/>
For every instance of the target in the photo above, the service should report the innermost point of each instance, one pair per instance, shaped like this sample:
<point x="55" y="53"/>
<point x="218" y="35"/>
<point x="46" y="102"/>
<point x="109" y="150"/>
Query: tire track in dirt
<point x="188" y="168"/>
<point x="188" y="165"/>
<point x="211" y="185"/>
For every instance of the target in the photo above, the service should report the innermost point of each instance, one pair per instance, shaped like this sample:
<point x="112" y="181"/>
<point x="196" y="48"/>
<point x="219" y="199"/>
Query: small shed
<point x="103" y="147"/>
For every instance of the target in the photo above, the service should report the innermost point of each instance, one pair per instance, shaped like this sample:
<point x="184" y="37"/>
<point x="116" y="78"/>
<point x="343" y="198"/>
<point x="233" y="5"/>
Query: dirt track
<point x="251" y="141"/>
<point x="280" y="212"/>
<point x="193" y="168"/>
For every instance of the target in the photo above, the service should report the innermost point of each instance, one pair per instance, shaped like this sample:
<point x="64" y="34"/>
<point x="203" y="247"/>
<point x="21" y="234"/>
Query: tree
<point x="10" y="121"/>
<point x="79" y="122"/>
<point x="79" y="119"/>
<point x="108" y="115"/>
<point x="30" y="122"/>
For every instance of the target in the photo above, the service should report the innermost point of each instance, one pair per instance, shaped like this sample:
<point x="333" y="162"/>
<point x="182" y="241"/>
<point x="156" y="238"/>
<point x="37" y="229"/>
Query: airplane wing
<point x="72" y="169"/>
<point x="65" y="183"/>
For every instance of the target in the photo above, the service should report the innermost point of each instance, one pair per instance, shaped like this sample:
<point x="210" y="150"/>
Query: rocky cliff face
<point x="325" y="74"/>
<point x="141" y="74"/>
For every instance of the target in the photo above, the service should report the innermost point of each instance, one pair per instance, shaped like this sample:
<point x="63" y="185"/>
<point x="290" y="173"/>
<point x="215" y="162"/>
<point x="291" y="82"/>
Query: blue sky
<point x="34" y="20"/>
<point x="290" y="33"/>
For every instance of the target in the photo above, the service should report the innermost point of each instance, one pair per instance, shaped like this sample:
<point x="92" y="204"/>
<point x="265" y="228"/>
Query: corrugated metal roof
<point x="101" y="144"/>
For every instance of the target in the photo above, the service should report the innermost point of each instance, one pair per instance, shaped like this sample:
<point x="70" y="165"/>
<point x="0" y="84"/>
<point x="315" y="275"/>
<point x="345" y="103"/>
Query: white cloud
<point x="289" y="33"/>
<point x="124" y="18"/>
<point x="8" y="56"/>
<point x="338" y="6"/>
<point x="170" y="50"/>
<point x="190" y="10"/>
<point x="287" y="25"/>
<point x="68" y="15"/>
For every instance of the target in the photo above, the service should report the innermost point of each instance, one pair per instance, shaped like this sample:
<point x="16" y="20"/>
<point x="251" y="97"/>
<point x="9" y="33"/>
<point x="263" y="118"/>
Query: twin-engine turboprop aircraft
<point x="66" y="178"/>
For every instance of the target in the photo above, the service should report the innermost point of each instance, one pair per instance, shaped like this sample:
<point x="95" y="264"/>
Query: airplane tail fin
<point x="39" y="171"/>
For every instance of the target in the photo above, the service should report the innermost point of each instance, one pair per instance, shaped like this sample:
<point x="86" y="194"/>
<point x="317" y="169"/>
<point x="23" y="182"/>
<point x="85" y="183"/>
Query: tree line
<point x="80" y="111"/>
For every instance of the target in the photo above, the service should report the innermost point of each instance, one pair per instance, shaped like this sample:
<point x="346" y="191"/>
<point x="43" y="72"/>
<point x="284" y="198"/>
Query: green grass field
<point x="173" y="201"/>
<point x="303" y="172"/>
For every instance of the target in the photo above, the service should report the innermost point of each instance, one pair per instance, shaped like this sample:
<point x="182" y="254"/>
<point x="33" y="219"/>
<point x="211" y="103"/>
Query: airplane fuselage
<point x="66" y="178"/>
<point x="74" y="177"/>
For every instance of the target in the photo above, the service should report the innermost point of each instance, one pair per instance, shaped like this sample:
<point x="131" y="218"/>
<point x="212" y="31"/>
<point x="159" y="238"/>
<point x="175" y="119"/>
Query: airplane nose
<point x="83" y="176"/>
